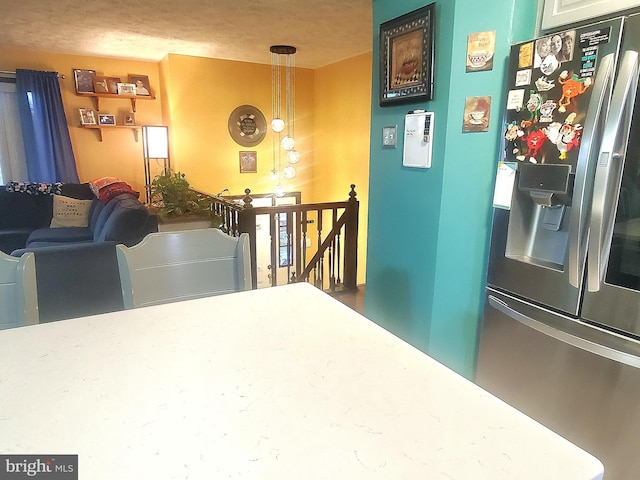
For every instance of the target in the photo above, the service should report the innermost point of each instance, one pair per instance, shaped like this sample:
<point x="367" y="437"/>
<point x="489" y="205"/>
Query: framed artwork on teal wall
<point x="406" y="57"/>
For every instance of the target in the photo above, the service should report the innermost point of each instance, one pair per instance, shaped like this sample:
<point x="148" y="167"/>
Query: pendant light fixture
<point x="283" y="121"/>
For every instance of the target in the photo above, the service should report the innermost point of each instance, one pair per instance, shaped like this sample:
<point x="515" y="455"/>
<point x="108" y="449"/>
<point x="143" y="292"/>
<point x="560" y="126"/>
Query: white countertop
<point x="278" y="383"/>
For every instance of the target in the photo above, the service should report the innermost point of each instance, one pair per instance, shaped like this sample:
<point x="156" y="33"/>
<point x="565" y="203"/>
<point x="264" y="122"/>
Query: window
<point x="285" y="247"/>
<point x="13" y="164"/>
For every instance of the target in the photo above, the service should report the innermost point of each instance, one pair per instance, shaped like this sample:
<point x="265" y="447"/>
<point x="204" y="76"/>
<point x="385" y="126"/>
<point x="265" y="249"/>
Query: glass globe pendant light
<point x="293" y="156"/>
<point x="277" y="125"/>
<point x="287" y="143"/>
<point x="289" y="172"/>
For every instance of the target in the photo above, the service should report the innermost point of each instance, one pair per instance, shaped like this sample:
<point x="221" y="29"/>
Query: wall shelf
<point x="100" y="128"/>
<point x="132" y="98"/>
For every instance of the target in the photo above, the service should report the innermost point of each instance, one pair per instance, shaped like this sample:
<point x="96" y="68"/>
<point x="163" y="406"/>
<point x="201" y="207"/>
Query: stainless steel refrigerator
<point x="561" y="326"/>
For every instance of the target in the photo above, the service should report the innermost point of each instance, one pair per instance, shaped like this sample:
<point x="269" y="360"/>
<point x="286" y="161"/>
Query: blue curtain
<point x="44" y="128"/>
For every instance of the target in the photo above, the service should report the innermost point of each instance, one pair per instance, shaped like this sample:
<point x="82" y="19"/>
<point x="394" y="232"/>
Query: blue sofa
<point x="25" y="219"/>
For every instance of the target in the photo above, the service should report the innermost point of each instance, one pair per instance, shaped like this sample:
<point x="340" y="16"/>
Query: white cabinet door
<point x="557" y="13"/>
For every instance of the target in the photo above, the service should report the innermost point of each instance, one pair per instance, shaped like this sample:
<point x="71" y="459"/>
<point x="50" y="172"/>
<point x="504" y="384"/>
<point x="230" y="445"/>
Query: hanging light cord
<point x="276" y="97"/>
<point x="288" y="92"/>
<point x="275" y="82"/>
<point x="275" y="104"/>
<point x="293" y="95"/>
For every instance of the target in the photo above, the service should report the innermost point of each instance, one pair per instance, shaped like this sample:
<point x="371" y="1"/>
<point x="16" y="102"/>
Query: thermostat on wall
<point x="418" y="139"/>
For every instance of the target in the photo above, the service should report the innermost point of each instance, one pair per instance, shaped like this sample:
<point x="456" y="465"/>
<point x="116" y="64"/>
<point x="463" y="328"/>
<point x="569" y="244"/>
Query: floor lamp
<point x="155" y="146"/>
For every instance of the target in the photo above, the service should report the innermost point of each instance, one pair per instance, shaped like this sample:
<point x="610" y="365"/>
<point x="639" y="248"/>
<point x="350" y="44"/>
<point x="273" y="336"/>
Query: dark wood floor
<point x="352" y="299"/>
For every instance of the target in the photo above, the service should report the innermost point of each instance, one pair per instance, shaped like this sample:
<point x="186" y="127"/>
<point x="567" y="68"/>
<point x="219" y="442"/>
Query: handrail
<point x="332" y="265"/>
<point x="303" y="207"/>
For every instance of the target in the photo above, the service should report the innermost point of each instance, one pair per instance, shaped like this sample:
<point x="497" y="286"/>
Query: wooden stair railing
<point x="334" y="263"/>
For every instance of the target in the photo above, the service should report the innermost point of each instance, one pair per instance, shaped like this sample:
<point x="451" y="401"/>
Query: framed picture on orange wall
<point x="126" y="88"/>
<point x="87" y="116"/>
<point x="129" y="119"/>
<point x="84" y="80"/>
<point x="249" y="162"/>
<point x="100" y="84"/>
<point x="113" y="84"/>
<point x="106" y="119"/>
<point x="142" y="84"/>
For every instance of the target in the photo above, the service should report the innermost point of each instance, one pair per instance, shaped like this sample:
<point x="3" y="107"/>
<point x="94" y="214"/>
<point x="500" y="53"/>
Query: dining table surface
<point x="276" y="383"/>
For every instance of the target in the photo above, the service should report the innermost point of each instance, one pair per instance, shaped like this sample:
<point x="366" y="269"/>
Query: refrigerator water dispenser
<point x="538" y="226"/>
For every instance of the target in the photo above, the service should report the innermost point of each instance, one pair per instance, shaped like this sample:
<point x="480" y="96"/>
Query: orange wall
<point x="201" y="94"/>
<point x="119" y="154"/>
<point x="342" y="119"/>
<point x="342" y="128"/>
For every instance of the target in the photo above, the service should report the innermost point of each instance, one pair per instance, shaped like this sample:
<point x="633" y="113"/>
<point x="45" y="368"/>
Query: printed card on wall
<point x="480" y="49"/>
<point x="505" y="179"/>
<point x="476" y="114"/>
<point x="248" y="162"/>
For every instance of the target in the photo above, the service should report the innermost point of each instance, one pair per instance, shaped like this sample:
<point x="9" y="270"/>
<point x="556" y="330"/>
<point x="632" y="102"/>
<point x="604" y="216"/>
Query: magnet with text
<point x="523" y="78"/>
<point x="525" y="55"/>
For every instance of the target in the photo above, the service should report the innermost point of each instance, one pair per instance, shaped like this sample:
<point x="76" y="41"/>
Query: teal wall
<point x="429" y="229"/>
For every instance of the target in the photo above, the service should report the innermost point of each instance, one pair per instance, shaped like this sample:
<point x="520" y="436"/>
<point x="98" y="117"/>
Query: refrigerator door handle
<point x="587" y="158"/>
<point x="609" y="169"/>
<point x="592" y="346"/>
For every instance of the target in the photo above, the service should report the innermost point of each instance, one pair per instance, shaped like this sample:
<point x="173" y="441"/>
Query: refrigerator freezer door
<point x="570" y="331"/>
<point x="612" y="298"/>
<point x="583" y="189"/>
<point x="610" y="166"/>
<point x="589" y="399"/>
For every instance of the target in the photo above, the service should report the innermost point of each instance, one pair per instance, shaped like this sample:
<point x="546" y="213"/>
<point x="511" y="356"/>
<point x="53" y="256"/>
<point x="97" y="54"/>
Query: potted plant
<point x="173" y="197"/>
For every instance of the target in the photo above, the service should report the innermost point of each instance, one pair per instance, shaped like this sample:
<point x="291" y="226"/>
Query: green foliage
<point x="173" y="196"/>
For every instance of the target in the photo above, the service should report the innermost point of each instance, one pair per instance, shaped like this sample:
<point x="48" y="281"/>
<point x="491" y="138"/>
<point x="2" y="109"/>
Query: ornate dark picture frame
<point x="407" y="57"/>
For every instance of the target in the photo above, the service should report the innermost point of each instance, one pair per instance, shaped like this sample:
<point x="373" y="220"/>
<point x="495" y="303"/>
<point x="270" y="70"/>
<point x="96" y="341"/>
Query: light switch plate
<point x="389" y="136"/>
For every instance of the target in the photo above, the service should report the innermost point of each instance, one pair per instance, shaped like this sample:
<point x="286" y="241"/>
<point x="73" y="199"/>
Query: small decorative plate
<point x="247" y="126"/>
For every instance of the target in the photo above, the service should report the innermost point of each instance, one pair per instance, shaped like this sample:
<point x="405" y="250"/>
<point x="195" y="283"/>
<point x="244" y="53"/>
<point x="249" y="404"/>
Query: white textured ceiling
<point x="324" y="31"/>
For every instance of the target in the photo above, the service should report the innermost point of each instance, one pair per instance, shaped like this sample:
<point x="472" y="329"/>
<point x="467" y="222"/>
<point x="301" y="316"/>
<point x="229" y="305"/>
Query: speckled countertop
<point x="279" y="383"/>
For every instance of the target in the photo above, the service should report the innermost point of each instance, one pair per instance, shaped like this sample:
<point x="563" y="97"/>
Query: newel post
<point x="247" y="224"/>
<point x="351" y="241"/>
